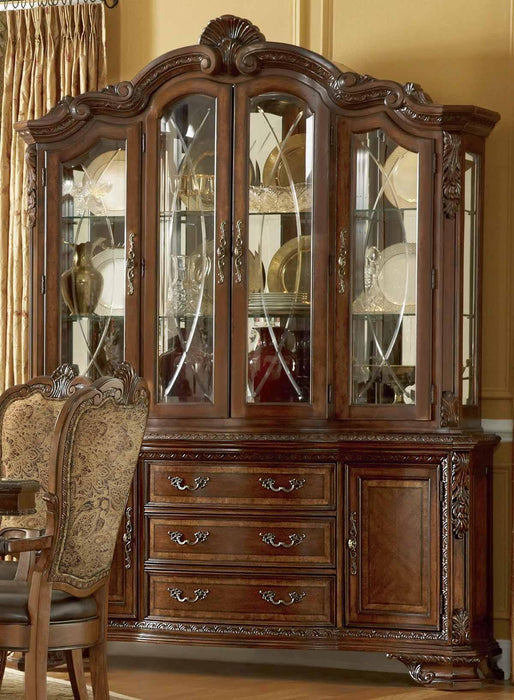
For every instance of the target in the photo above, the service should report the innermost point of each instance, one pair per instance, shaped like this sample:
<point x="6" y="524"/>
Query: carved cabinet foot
<point x="442" y="672"/>
<point x="490" y="669"/>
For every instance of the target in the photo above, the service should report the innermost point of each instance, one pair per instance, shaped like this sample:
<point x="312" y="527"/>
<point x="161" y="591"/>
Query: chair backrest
<point x="95" y="451"/>
<point x="28" y="414"/>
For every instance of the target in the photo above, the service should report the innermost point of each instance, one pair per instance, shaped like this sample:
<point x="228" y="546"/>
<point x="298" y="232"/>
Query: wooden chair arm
<point x="29" y="544"/>
<point x="19" y="532"/>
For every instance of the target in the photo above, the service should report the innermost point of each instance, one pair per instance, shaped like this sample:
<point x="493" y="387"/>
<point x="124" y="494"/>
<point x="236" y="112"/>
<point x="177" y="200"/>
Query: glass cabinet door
<point x="273" y="262"/>
<point x="190" y="355"/>
<point x="97" y="260"/>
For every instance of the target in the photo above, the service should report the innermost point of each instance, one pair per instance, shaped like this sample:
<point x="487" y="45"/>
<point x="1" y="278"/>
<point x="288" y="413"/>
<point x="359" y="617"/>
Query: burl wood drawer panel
<point x="303" y="486"/>
<point x="255" y="541"/>
<point x="306" y="600"/>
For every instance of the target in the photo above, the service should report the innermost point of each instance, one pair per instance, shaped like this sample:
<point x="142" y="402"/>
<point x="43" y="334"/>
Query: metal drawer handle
<point x="352" y="543"/>
<point x="178" y="538"/>
<point x="131" y="264"/>
<point x="269" y="597"/>
<point x="269" y="538"/>
<point x="269" y="484"/>
<point x="178" y="482"/>
<point x="177" y="594"/>
<point x="341" y="262"/>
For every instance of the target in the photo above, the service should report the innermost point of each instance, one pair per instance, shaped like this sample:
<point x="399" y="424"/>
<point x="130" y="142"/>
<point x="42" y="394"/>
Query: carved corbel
<point x="451" y="174"/>
<point x="460" y="494"/>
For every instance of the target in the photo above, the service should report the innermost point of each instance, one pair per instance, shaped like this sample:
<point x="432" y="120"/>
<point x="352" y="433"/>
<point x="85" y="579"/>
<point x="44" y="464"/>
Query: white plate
<point x="397" y="275"/>
<point x="401" y="173"/>
<point x="111" y="263"/>
<point x="108" y="169"/>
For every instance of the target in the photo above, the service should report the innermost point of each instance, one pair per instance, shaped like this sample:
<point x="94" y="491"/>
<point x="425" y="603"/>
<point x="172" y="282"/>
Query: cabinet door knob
<point x="342" y="256"/>
<point x="178" y="594"/>
<point x="238" y="253"/>
<point x="178" y="538"/>
<point x="178" y="482"/>
<point x="221" y="252"/>
<point x="131" y="264"/>
<point x="269" y="538"/>
<point x="352" y="543"/>
<point x="269" y="597"/>
<point x="268" y="483"/>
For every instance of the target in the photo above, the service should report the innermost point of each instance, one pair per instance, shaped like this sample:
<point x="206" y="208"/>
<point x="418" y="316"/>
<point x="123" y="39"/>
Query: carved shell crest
<point x="227" y="35"/>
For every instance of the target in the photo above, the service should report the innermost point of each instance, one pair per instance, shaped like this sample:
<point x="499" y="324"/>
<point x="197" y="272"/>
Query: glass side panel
<point x="384" y="270"/>
<point x="278" y="264"/>
<point x="185" y="333"/>
<point x="469" y="280"/>
<point x="92" y="260"/>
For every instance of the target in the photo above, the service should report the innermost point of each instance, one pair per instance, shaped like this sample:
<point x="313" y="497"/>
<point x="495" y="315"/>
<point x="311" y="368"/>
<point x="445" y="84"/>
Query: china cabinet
<point x="291" y="257"/>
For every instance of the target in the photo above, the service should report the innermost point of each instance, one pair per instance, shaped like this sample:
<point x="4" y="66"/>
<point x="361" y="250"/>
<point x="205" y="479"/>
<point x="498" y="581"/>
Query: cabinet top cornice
<point x="234" y="49"/>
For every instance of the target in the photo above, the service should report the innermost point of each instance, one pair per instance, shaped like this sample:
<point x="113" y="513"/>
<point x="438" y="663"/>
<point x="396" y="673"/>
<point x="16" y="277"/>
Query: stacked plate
<point x="282" y="303"/>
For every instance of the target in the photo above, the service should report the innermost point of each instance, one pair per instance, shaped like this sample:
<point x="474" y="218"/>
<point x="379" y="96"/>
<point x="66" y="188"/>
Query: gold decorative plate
<point x="283" y="272"/>
<point x="274" y="171"/>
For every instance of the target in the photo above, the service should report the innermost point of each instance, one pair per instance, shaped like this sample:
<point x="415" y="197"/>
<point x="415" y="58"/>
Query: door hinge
<point x="143" y="142"/>
<point x="434" y="278"/>
<point x="432" y="394"/>
<point x="43" y="177"/>
<point x="434" y="163"/>
<point x="329" y="393"/>
<point x="43" y="284"/>
<point x="143" y="267"/>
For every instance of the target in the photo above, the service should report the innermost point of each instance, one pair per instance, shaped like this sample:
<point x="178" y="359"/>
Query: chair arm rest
<point x="19" y="532"/>
<point x="30" y="544"/>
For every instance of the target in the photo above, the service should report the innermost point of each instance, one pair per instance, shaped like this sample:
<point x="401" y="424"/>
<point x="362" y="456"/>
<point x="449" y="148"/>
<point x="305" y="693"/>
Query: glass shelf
<point x="92" y="317"/>
<point x="91" y="217"/>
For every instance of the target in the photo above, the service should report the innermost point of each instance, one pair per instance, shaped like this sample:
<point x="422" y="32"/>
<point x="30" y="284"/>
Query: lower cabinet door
<point x="393" y="559"/>
<point x="123" y="578"/>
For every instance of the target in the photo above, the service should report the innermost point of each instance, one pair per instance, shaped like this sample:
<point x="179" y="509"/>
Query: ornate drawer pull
<point x="177" y="594"/>
<point x="269" y="484"/>
<point x="178" y="538"/>
<point x="238" y="253"/>
<point x="131" y="265"/>
<point x="178" y="482"/>
<point x="269" y="538"/>
<point x="269" y="597"/>
<point x="221" y="252"/>
<point x="341" y="262"/>
<point x="352" y="543"/>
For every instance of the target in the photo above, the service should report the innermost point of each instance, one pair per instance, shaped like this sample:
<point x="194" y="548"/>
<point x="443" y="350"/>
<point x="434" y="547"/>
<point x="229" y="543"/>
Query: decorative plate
<point x="283" y="272"/>
<point x="111" y="263"/>
<point x="275" y="172"/>
<point x="109" y="173"/>
<point x="401" y="178"/>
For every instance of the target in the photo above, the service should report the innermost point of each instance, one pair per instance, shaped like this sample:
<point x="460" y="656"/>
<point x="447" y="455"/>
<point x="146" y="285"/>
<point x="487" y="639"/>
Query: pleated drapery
<point x="49" y="53"/>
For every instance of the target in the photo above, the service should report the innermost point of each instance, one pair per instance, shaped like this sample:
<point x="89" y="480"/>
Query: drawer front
<point x="307" y="600"/>
<point x="302" y="486"/>
<point x="252" y="541"/>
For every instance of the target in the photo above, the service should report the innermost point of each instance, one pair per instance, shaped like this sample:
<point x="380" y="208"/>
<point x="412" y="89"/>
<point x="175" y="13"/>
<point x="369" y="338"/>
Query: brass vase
<point x="82" y="284"/>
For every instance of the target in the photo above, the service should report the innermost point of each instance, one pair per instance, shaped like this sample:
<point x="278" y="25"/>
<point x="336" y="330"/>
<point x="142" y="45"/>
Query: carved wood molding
<point x="234" y="46"/>
<point x="449" y="414"/>
<point x="461" y="630"/>
<point x="451" y="174"/>
<point x="31" y="187"/>
<point x="335" y="437"/>
<point x="460" y="482"/>
<point x="62" y="381"/>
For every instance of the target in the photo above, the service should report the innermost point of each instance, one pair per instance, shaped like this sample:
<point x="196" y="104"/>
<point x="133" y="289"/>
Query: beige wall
<point x="461" y="52"/>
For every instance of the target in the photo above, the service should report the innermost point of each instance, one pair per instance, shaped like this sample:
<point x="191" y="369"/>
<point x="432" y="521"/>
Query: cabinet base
<point x="450" y="672"/>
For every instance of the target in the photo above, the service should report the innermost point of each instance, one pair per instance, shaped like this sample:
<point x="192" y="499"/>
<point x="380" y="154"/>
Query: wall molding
<point x="503" y="428"/>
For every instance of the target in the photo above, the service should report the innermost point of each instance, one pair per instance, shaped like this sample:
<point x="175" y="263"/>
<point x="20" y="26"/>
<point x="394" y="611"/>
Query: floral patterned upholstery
<point x="101" y="453"/>
<point x="27" y="425"/>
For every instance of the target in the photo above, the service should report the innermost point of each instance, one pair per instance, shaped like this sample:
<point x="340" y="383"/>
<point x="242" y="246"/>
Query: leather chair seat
<point x="8" y="570"/>
<point x="65" y="607"/>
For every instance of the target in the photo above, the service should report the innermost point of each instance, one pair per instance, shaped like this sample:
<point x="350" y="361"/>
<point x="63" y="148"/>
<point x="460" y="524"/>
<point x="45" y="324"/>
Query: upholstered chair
<point x="93" y="455"/>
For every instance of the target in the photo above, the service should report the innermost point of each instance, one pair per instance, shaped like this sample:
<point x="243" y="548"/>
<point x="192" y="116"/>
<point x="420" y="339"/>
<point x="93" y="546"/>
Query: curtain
<point x="49" y="53"/>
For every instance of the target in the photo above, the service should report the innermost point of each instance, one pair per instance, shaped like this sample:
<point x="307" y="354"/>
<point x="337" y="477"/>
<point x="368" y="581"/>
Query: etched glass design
<point x="469" y="280"/>
<point x="278" y="258"/>
<point x="185" y="334"/>
<point x="92" y="259"/>
<point x="384" y="270"/>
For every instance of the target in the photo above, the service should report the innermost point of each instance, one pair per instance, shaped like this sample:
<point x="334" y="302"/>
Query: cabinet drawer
<point x="305" y="486"/>
<point x="259" y="541"/>
<point x="307" y="600"/>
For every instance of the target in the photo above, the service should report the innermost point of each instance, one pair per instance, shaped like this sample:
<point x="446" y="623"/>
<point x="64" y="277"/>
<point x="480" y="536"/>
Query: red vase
<point x="268" y="380"/>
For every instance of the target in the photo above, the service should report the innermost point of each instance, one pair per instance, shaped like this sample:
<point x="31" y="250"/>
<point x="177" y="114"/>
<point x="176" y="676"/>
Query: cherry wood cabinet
<point x="291" y="256"/>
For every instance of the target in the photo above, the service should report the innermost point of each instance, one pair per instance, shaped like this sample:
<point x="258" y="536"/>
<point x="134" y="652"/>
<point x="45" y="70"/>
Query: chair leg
<point x="97" y="653"/>
<point x="75" y="665"/>
<point x="36" y="658"/>
<point x="3" y="661"/>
